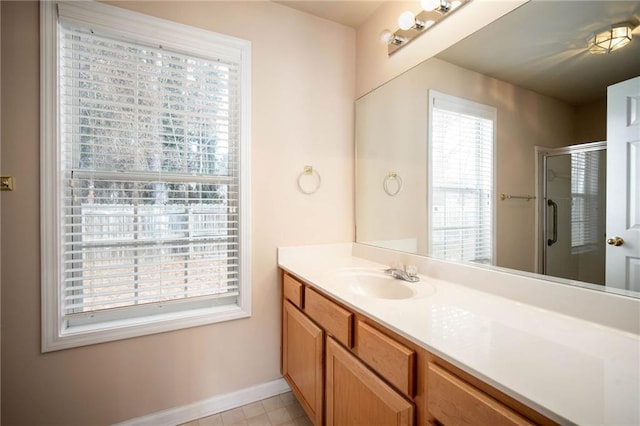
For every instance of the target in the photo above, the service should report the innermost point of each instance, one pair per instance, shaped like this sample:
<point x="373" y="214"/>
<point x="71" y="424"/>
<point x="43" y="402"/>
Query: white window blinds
<point x="150" y="162"/>
<point x="587" y="192"/>
<point x="151" y="169"/>
<point x="461" y="179"/>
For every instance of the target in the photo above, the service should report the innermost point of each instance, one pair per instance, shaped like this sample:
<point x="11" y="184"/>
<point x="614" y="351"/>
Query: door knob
<point x="615" y="241"/>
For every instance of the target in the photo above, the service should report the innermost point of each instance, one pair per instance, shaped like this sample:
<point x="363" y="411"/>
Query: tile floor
<point x="280" y="410"/>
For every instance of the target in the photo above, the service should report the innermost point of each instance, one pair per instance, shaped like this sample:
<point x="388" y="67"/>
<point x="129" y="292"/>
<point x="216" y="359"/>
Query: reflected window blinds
<point x="461" y="184"/>
<point x="587" y="193"/>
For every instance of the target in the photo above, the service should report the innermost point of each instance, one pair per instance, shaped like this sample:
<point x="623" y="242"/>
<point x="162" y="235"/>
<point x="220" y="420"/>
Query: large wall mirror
<point x="540" y="102"/>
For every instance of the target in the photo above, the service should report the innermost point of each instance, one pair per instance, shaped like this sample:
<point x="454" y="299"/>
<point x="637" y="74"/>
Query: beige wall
<point x="391" y="134"/>
<point x="303" y="93"/>
<point x="591" y="122"/>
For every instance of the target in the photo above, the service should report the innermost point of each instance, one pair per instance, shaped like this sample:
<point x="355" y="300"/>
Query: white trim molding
<point x="210" y="406"/>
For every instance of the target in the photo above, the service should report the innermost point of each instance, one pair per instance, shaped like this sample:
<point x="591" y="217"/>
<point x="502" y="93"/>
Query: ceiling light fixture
<point x="412" y="25"/>
<point x="610" y="38"/>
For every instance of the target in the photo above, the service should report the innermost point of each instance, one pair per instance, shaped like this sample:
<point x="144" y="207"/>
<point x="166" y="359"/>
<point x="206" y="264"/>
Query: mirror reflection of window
<point x="587" y="185"/>
<point x="461" y="181"/>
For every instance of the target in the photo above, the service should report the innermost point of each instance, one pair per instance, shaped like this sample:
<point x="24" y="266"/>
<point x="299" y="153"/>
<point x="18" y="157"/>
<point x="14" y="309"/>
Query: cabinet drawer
<point x="292" y="290"/>
<point x="335" y="320"/>
<point x="453" y="401"/>
<point x="392" y="360"/>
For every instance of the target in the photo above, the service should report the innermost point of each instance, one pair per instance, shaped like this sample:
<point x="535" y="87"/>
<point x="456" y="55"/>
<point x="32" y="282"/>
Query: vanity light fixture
<point x="610" y="38"/>
<point x="412" y="25"/>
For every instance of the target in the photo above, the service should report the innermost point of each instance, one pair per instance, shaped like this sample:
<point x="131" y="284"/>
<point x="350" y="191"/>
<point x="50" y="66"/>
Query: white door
<point x="623" y="185"/>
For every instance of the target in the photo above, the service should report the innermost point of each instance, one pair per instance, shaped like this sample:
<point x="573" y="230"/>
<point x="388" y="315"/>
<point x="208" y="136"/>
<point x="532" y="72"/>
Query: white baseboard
<point x="211" y="406"/>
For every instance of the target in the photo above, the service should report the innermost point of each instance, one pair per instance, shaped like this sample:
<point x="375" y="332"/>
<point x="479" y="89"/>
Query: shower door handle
<point x="551" y="241"/>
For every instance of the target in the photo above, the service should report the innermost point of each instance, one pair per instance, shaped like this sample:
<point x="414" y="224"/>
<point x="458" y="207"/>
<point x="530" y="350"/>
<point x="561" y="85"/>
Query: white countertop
<point x="572" y="370"/>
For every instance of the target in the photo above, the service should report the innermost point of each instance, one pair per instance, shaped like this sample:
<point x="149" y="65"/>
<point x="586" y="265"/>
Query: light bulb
<point x="386" y="36"/>
<point x="391" y="38"/>
<point x="428" y="5"/>
<point x="406" y="20"/>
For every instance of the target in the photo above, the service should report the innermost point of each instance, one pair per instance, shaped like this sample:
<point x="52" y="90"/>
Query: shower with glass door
<point x="573" y="212"/>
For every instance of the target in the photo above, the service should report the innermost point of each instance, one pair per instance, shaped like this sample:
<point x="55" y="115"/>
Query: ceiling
<point x="350" y="13"/>
<point x="540" y="46"/>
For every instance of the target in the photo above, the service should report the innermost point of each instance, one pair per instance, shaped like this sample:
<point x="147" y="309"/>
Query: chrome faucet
<point x="407" y="273"/>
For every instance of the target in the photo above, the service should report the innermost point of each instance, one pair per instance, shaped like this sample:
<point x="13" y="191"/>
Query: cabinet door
<point x="356" y="396"/>
<point x="302" y="345"/>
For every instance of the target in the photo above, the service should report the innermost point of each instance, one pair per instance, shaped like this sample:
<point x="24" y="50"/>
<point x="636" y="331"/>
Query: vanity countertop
<point x="572" y="370"/>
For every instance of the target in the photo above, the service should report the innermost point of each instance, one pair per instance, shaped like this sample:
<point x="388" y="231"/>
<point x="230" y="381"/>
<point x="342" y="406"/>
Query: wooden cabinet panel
<point x="392" y="360"/>
<point x="334" y="319"/>
<point x="356" y="396"/>
<point x="455" y="402"/>
<point x="292" y="290"/>
<point x="302" y="351"/>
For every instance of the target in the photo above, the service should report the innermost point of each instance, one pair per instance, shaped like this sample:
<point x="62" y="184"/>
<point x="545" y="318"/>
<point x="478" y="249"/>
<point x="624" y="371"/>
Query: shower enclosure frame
<point x="542" y="225"/>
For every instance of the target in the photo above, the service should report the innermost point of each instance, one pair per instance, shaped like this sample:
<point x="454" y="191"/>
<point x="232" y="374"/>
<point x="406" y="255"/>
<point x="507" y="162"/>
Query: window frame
<point x="461" y="105"/>
<point x="174" y="36"/>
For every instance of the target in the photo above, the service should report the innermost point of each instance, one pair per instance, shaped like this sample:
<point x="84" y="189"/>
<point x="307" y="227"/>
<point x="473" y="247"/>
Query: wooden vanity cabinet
<point x="333" y="386"/>
<point x="346" y="369"/>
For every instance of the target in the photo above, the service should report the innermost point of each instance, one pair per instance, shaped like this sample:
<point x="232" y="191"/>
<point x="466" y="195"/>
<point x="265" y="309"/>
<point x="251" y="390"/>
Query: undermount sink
<point x="379" y="285"/>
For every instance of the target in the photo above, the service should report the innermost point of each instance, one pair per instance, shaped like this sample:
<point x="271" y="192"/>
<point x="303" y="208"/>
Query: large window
<point x="145" y="174"/>
<point x="461" y="179"/>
